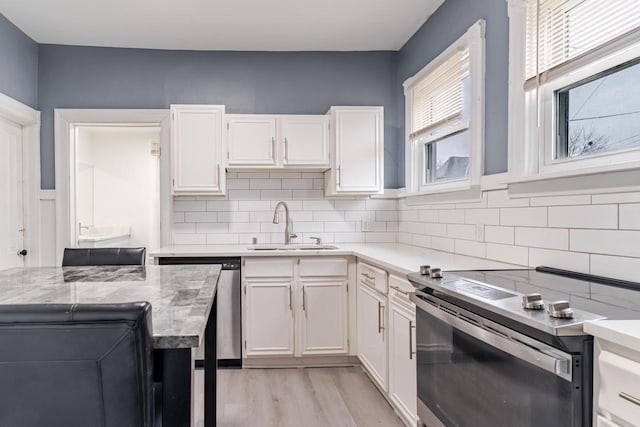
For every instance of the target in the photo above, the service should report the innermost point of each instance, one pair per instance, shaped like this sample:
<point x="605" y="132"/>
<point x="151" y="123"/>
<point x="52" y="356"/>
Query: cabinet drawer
<point x="603" y="422"/>
<point x="373" y="277"/>
<point x="619" y="391"/>
<point x="323" y="267"/>
<point x="268" y="267"/>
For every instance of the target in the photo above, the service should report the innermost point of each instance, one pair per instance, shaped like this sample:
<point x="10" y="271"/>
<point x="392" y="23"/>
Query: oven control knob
<point x="532" y="302"/>
<point x="560" y="310"/>
<point x="436" y="273"/>
<point x="425" y="270"/>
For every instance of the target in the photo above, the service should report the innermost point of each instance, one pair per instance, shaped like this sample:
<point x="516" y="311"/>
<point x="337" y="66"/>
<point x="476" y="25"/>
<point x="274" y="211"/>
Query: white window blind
<point x="560" y="30"/>
<point x="438" y="97"/>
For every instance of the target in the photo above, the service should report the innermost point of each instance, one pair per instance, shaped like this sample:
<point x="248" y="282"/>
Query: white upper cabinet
<point x="265" y="141"/>
<point x="357" y="151"/>
<point x="305" y="140"/>
<point x="251" y="140"/>
<point x="197" y="150"/>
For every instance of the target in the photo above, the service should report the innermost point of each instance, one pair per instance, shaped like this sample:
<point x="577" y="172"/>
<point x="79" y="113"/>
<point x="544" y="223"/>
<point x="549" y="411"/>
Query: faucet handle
<point x="317" y="239"/>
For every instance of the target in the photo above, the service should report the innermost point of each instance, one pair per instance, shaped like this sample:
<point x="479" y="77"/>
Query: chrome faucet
<point x="276" y="220"/>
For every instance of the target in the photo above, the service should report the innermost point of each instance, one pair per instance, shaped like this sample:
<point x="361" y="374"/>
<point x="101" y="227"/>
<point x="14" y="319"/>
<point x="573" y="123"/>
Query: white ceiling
<point x="262" y="25"/>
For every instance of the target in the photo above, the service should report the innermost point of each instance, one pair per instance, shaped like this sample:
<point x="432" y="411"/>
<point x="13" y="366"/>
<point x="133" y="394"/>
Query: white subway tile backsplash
<point x="274" y="194"/>
<point x="189" y="206"/>
<point x="499" y="234"/>
<point x="381" y="205"/>
<point x="418" y="240"/>
<point x="508" y="253"/>
<point x="184" y="227"/>
<point x="233" y="217"/>
<point x="178" y="217"/>
<point x="222" y="205"/>
<point x="284" y="175"/>
<point x="201" y="216"/>
<point x="244" y="227"/>
<point x="212" y="227"/>
<point x="386" y="215"/>
<point x="254" y="205"/>
<point x="501" y="199"/>
<point x="607" y="242"/>
<point x="308" y="194"/>
<point x="189" y="239"/>
<point x="451" y="216"/>
<point x="297" y="184"/>
<point x="380" y="237"/>
<point x="319" y="205"/>
<point x="482" y="216"/>
<point x="321" y="216"/>
<point x="630" y="217"/>
<point x="468" y="247"/>
<point x="312" y="175"/>
<point x="425" y="215"/>
<point x="342" y="227"/>
<point x="533" y="217"/>
<point x="561" y="200"/>
<point x="237" y="184"/>
<point x="434" y="229"/>
<point x="559" y="259"/>
<point x="244" y="194"/>
<point x="221" y="238"/>
<point x="253" y="175"/>
<point x="350" y="205"/>
<point x="461" y="231"/>
<point x="349" y="237"/>
<point x="600" y="216"/>
<point x="307" y="226"/>
<point x="442" y="244"/>
<point x="615" y="266"/>
<point x="550" y="238"/>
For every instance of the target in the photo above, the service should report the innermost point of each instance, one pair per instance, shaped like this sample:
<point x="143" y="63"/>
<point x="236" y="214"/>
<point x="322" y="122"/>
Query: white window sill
<point x="603" y="179"/>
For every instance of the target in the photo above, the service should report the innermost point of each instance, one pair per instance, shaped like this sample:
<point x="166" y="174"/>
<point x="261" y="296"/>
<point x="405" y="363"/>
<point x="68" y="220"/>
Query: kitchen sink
<point x="294" y="247"/>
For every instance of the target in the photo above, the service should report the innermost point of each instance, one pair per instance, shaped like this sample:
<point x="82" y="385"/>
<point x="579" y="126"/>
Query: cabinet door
<point x="196" y="149"/>
<point x="251" y="141"/>
<point x="323" y="317"/>
<point x="359" y="150"/>
<point x="305" y="140"/>
<point x="371" y="324"/>
<point x="269" y="318"/>
<point x="402" y="362"/>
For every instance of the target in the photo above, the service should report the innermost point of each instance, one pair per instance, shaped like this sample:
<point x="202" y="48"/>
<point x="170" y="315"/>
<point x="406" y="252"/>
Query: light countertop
<point x="625" y="333"/>
<point x="397" y="257"/>
<point x="181" y="297"/>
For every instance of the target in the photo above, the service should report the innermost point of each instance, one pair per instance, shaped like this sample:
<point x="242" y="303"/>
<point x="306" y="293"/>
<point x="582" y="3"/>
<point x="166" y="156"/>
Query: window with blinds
<point x="559" y="31"/>
<point x="438" y="98"/>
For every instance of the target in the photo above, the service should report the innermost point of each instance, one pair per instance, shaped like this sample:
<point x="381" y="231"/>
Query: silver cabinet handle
<point x="380" y="325"/>
<point x="273" y="146"/>
<point x="286" y="150"/>
<point x="290" y="298"/>
<point x="411" y="328"/>
<point x="338" y="174"/>
<point x="369" y="277"/>
<point x="304" y="299"/>
<point x="629" y="398"/>
<point x="400" y="290"/>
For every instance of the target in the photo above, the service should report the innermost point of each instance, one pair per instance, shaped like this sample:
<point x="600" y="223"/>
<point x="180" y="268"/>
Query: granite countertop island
<point x="181" y="297"/>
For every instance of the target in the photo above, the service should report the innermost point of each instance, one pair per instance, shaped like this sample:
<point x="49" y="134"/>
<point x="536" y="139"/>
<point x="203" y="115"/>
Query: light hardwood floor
<point x="304" y="397"/>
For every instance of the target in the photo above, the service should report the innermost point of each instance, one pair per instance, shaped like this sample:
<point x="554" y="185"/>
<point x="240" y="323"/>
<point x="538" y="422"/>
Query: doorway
<point x="12" y="217"/>
<point x="115" y="186"/>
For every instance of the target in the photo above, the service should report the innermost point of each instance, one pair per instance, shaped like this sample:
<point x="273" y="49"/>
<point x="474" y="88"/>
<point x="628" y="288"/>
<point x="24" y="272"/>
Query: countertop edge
<point x="616" y="331"/>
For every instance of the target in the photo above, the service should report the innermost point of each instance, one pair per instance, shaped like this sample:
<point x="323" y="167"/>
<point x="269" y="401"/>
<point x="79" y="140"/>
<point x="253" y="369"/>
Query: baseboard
<point x="301" y="362"/>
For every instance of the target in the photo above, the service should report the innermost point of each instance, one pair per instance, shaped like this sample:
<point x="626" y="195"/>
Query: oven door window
<point x="468" y="383"/>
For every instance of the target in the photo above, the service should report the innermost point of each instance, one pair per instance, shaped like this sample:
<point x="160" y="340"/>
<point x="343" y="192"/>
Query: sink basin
<point x="295" y="247"/>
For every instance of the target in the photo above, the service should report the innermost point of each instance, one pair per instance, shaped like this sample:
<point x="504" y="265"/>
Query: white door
<point x="11" y="204"/>
<point x="359" y="149"/>
<point x="251" y="141"/>
<point x="323" y="322"/>
<point x="269" y="318"/>
<point x="197" y="147"/>
<point x="371" y="324"/>
<point x="402" y="361"/>
<point x="305" y="140"/>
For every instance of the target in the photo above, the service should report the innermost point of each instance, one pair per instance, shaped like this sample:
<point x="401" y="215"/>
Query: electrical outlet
<point x="480" y="232"/>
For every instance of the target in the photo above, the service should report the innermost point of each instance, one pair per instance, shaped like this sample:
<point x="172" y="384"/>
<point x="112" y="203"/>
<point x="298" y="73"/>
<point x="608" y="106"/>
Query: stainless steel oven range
<point x="492" y="352"/>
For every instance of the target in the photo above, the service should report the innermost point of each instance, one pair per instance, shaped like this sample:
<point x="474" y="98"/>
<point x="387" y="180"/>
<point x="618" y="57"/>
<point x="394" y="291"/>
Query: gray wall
<point x="246" y="82"/>
<point x="18" y="64"/>
<point x="445" y="26"/>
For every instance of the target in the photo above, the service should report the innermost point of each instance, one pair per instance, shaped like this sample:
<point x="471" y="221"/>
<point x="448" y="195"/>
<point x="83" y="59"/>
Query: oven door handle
<point x="558" y="363"/>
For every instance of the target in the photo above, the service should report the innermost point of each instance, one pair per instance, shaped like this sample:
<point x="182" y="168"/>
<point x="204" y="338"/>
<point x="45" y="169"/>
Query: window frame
<point x="474" y="40"/>
<point x="532" y="129"/>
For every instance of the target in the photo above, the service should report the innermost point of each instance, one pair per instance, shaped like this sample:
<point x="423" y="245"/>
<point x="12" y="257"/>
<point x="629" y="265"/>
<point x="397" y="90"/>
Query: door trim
<point x="65" y="121"/>
<point x="29" y="119"/>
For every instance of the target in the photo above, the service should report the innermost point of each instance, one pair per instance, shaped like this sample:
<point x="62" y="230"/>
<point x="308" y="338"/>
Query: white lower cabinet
<point x="402" y="355"/>
<point x="372" y="341"/>
<point x="294" y="308"/>
<point x="269" y="318"/>
<point x="323" y="320"/>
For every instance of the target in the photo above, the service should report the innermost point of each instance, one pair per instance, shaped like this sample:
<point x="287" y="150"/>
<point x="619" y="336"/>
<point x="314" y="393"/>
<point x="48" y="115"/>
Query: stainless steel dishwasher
<point x="229" y="345"/>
